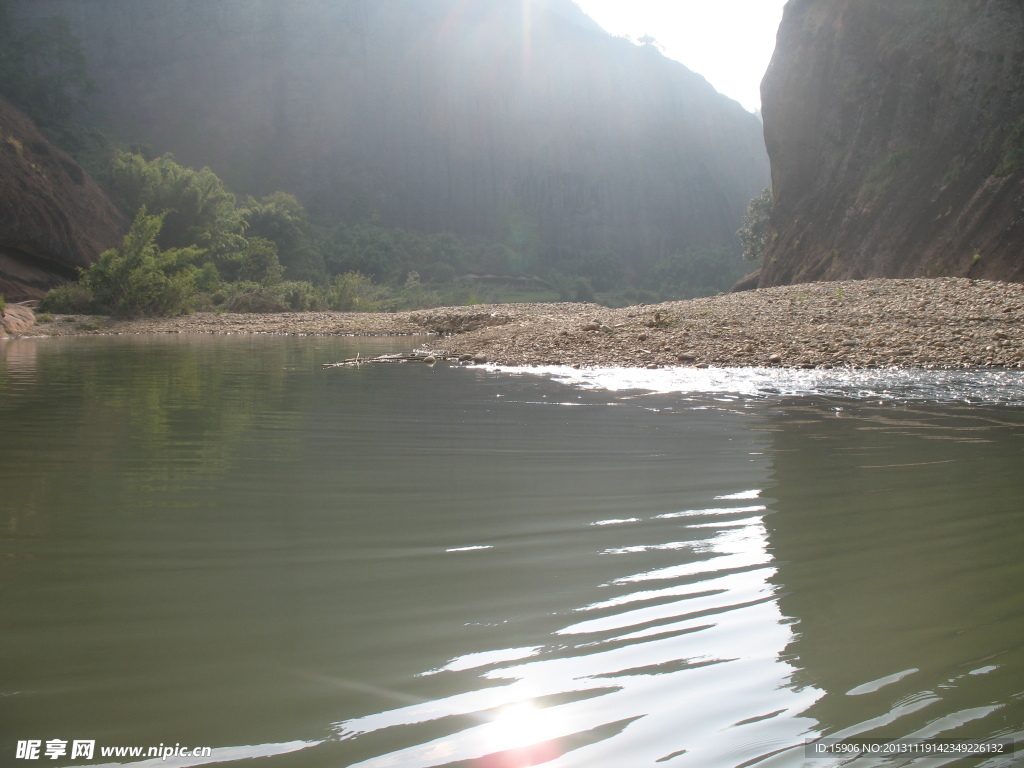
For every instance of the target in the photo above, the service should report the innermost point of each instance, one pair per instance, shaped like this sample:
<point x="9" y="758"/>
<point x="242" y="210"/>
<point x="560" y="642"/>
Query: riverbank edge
<point x="905" y="323"/>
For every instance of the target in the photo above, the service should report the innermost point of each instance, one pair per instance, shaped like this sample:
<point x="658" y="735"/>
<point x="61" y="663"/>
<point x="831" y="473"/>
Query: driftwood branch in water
<point x="414" y="357"/>
<point x="399" y="358"/>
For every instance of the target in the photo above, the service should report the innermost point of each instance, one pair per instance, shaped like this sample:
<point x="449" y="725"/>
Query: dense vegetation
<point x="195" y="245"/>
<point x="201" y="248"/>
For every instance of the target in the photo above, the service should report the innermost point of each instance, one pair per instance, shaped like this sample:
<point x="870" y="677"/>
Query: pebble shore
<point x="919" y="322"/>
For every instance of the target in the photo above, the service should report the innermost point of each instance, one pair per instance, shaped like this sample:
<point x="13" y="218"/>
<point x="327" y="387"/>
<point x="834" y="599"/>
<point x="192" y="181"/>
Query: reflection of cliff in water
<point x="897" y="535"/>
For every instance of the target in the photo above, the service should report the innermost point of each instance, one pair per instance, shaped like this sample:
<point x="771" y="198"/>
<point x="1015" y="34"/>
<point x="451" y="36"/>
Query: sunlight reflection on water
<point x="654" y="667"/>
<point x="982" y="386"/>
<point x="694" y="653"/>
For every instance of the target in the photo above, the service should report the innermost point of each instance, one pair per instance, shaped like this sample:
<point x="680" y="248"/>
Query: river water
<point x="215" y="541"/>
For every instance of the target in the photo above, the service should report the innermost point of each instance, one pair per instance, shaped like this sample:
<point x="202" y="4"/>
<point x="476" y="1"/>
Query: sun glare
<point x="515" y="724"/>
<point x="520" y="735"/>
<point x="729" y="42"/>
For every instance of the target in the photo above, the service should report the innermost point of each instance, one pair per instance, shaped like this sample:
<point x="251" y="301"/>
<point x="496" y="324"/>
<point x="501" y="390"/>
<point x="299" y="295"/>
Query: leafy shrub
<point x="207" y="302"/>
<point x="96" y="324"/>
<point x="68" y="299"/>
<point x="301" y="296"/>
<point x="415" y="295"/>
<point x="582" y="290"/>
<point x="280" y="219"/>
<point x="441" y="272"/>
<point x="754" y="232"/>
<point x="286" y="296"/>
<point x="139" y="278"/>
<point x="252" y="297"/>
<point x="355" y="292"/>
<point x="208" y="278"/>
<point x="258" y="262"/>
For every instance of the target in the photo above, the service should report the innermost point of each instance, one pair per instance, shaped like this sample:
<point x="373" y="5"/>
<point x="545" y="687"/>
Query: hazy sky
<point x="728" y="41"/>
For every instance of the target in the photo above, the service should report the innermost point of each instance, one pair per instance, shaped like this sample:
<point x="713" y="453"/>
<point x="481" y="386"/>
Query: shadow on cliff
<point x="896" y="142"/>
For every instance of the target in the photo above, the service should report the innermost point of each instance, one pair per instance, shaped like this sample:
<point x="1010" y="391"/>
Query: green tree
<point x="258" y="262"/>
<point x="368" y="249"/>
<point x="281" y="219"/>
<point x="755" y="230"/>
<point x="353" y="292"/>
<point x="197" y="208"/>
<point x="140" y="279"/>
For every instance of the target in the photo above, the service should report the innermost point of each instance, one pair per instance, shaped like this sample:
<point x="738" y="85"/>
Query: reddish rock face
<point x="896" y="138"/>
<point x="54" y="219"/>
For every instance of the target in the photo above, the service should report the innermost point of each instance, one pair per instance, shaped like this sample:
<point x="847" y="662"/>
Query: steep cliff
<point x="53" y="217"/>
<point x="513" y="118"/>
<point x="896" y="137"/>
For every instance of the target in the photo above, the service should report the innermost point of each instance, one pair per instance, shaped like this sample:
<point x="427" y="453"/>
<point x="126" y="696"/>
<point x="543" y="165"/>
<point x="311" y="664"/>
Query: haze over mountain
<point x="519" y="121"/>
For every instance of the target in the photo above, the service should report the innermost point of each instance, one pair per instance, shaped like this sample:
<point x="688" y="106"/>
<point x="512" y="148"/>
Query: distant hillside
<point x="516" y="120"/>
<point x="896" y="137"/>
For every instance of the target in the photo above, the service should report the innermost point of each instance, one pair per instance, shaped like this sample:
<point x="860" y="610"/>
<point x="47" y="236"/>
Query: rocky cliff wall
<point x="896" y="137"/>
<point x="513" y="118"/>
<point x="54" y="219"/>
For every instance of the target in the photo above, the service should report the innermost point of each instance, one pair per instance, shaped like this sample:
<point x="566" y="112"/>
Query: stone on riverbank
<point x="16" y="319"/>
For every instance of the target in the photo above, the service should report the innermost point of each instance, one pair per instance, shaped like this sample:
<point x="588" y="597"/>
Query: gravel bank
<point x="929" y="323"/>
<point x="288" y="323"/>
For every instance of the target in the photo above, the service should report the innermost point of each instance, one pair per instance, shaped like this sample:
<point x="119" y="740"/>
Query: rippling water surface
<point x="213" y="541"/>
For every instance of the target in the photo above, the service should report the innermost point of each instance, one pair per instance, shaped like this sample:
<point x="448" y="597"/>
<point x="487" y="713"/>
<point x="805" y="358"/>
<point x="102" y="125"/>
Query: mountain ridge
<point x="534" y="127"/>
